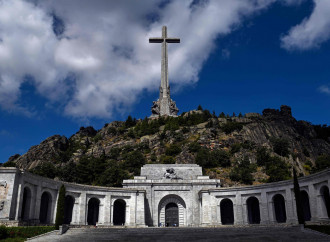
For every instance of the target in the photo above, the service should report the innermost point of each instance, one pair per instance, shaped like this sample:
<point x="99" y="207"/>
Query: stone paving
<point x="269" y="234"/>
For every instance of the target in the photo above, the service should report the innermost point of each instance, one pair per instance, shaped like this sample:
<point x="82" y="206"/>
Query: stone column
<point x="82" y="209"/>
<point x="264" y="219"/>
<point x="139" y="210"/>
<point x="38" y="202"/>
<point x="107" y="206"/>
<point x="290" y="207"/>
<point x="238" y="210"/>
<point x="312" y="202"/>
<point x="19" y="202"/>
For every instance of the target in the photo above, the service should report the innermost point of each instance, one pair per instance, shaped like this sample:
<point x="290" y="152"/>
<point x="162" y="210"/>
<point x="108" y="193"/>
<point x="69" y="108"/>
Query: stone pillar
<point x="54" y="206"/>
<point x="38" y="202"/>
<point x="139" y="209"/>
<point x="107" y="207"/>
<point x="238" y="210"/>
<point x="19" y="202"/>
<point x="290" y="207"/>
<point x="264" y="218"/>
<point x="312" y="202"/>
<point x="82" y="209"/>
<point x="271" y="212"/>
<point x="206" y="209"/>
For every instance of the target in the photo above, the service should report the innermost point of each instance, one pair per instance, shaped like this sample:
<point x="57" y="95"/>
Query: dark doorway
<point x="68" y="208"/>
<point x="305" y="205"/>
<point x="279" y="207"/>
<point x="227" y="211"/>
<point x="45" y="207"/>
<point x="25" y="215"/>
<point x="326" y="198"/>
<point x="119" y="212"/>
<point x="93" y="211"/>
<point x="171" y="215"/>
<point x="253" y="210"/>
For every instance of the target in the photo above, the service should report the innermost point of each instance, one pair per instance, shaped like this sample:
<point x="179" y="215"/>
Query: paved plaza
<point x="288" y="233"/>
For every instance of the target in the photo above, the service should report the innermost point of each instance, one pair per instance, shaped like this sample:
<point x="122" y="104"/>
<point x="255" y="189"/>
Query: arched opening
<point x="45" y="208"/>
<point x="227" y="211"/>
<point x="279" y="207"/>
<point x="169" y="204"/>
<point x="326" y="198"/>
<point x="171" y="215"/>
<point x="119" y="212"/>
<point x="305" y="205"/>
<point x="25" y="215"/>
<point x="253" y="210"/>
<point x="68" y="208"/>
<point x="93" y="211"/>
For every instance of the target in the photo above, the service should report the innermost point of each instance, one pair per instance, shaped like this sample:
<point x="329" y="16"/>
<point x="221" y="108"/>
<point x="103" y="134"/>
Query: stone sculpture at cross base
<point x="164" y="105"/>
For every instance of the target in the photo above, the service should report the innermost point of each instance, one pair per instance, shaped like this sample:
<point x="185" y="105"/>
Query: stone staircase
<point x="261" y="233"/>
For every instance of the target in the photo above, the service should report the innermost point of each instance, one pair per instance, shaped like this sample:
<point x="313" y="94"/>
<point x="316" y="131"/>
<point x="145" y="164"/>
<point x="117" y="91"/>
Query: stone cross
<point x="164" y="106"/>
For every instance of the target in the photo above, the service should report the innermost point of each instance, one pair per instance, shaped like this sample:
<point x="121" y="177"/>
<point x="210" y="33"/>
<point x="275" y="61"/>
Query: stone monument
<point x="164" y="105"/>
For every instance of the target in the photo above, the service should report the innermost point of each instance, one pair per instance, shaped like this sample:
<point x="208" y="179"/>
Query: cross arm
<point x="156" y="40"/>
<point x="172" y="40"/>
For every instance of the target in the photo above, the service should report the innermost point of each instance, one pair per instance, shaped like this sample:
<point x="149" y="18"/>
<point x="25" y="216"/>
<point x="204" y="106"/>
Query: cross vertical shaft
<point x="164" y="105"/>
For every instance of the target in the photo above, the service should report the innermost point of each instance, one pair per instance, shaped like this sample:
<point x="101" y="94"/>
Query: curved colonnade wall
<point x="154" y="199"/>
<point x="268" y="203"/>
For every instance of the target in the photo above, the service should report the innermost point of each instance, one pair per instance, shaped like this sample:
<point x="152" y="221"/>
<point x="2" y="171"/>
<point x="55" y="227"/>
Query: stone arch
<point x="305" y="205"/>
<point x="253" y="210"/>
<point x="68" y="209"/>
<point x="93" y="211"/>
<point x="279" y="208"/>
<point x="45" y="208"/>
<point x="119" y="212"/>
<point x="26" y="204"/>
<point x="172" y="198"/>
<point x="227" y="211"/>
<point x="324" y="191"/>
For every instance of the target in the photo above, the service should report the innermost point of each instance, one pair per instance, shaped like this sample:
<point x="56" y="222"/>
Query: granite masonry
<point x="163" y="195"/>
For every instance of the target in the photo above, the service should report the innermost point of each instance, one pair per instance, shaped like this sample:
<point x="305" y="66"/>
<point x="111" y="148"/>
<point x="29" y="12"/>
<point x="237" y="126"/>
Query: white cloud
<point x="105" y="48"/>
<point x="312" y="31"/>
<point x="324" y="89"/>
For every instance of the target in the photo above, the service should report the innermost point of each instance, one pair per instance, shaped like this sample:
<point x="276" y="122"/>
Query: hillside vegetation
<point x="249" y="149"/>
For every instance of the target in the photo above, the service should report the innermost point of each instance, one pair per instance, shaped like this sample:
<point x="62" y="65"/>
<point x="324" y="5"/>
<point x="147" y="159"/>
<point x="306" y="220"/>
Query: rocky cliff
<point x="218" y="143"/>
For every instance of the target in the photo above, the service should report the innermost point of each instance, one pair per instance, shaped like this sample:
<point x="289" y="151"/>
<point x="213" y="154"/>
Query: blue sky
<point x="97" y="67"/>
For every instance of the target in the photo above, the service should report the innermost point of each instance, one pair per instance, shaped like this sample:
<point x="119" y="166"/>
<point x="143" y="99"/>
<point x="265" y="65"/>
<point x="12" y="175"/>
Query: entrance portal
<point x="253" y="210"/>
<point x="279" y="207"/>
<point x="45" y="208"/>
<point x="227" y="211"/>
<point x="68" y="208"/>
<point x="171" y="215"/>
<point x="93" y="211"/>
<point x="119" y="212"/>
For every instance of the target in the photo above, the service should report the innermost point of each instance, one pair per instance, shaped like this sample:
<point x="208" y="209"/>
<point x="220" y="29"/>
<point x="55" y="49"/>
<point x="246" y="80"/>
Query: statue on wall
<point x="170" y="174"/>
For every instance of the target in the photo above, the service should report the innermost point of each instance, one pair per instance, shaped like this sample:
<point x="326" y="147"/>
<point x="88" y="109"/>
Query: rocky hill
<point x="247" y="149"/>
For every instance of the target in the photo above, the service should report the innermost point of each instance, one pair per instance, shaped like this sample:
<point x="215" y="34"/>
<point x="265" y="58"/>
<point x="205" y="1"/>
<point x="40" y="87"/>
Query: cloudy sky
<point x="71" y="63"/>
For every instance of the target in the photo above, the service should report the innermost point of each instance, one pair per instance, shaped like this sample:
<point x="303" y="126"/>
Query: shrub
<point x="9" y="164"/>
<point x="242" y="172"/>
<point x="173" y="150"/>
<point x="167" y="159"/>
<point x="277" y="170"/>
<point x="322" y="162"/>
<point x="194" y="147"/>
<point x="3" y="232"/>
<point x="45" y="169"/>
<point x="263" y="156"/>
<point x="231" y="126"/>
<point x="60" y="207"/>
<point x="211" y="159"/>
<point x="280" y="146"/>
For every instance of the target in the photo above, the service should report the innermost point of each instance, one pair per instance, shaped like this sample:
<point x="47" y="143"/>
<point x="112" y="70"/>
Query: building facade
<point x="163" y="195"/>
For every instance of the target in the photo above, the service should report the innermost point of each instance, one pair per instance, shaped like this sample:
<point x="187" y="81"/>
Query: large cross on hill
<point x="164" y="105"/>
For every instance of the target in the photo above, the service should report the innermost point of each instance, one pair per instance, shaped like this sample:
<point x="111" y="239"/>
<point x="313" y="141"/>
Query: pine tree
<point x="60" y="208"/>
<point x="297" y="194"/>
